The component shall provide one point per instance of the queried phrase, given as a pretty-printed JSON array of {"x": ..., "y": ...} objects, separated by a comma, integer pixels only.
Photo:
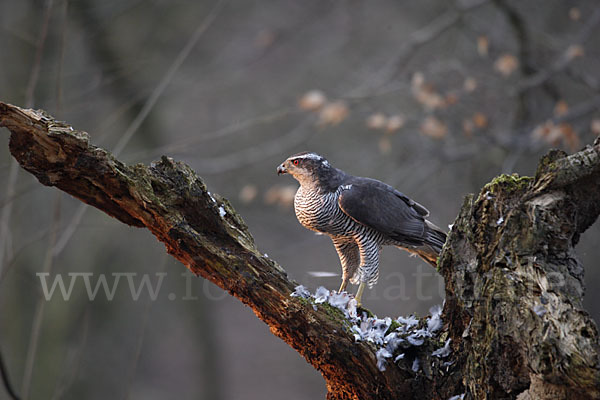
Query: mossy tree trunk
[{"x": 513, "y": 283}]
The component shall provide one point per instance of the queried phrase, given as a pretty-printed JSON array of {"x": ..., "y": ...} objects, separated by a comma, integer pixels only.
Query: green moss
[
  {"x": 369, "y": 313},
  {"x": 547, "y": 162},
  {"x": 335, "y": 315},
  {"x": 395, "y": 325},
  {"x": 508, "y": 182}
]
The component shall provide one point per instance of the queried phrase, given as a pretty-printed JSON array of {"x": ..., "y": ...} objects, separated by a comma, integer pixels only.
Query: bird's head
[{"x": 307, "y": 168}]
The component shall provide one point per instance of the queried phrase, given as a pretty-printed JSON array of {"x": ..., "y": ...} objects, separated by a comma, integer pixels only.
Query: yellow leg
[
  {"x": 343, "y": 285},
  {"x": 359, "y": 293}
]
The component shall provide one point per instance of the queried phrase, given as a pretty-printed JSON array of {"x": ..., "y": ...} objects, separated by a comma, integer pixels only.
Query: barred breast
[
  {"x": 320, "y": 212},
  {"x": 313, "y": 209}
]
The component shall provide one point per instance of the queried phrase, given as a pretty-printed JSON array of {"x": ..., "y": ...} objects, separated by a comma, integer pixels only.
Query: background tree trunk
[{"x": 513, "y": 283}]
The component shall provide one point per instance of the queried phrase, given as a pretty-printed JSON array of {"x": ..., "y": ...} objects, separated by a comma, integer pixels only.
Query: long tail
[{"x": 434, "y": 241}]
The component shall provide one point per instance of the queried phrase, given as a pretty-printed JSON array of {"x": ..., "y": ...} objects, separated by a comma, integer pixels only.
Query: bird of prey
[{"x": 360, "y": 215}]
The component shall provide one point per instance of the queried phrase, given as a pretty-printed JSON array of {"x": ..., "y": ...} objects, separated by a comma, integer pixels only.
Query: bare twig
[
  {"x": 565, "y": 58},
  {"x": 35, "y": 70},
  {"x": 29, "y": 101},
  {"x": 72, "y": 368},
  {"x": 168, "y": 77},
  {"x": 417, "y": 39},
  {"x": 7, "y": 212},
  {"x": 148, "y": 106},
  {"x": 6, "y": 380},
  {"x": 61, "y": 58},
  {"x": 38, "y": 315},
  {"x": 140, "y": 341},
  {"x": 245, "y": 125},
  {"x": 247, "y": 156}
]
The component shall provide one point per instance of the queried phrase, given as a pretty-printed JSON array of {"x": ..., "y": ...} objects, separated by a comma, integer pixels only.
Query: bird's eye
[{"x": 295, "y": 162}]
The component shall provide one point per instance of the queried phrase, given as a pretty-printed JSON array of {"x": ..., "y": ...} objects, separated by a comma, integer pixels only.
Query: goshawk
[{"x": 360, "y": 215}]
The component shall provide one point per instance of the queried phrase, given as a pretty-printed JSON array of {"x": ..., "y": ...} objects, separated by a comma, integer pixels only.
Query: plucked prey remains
[{"x": 360, "y": 215}]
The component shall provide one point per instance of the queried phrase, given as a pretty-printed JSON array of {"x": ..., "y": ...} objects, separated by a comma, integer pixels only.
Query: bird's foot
[{"x": 359, "y": 293}]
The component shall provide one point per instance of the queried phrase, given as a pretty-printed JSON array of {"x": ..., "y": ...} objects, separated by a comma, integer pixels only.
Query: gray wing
[{"x": 381, "y": 207}]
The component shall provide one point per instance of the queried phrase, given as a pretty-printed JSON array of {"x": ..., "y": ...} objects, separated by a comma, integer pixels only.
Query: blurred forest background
[{"x": 433, "y": 97}]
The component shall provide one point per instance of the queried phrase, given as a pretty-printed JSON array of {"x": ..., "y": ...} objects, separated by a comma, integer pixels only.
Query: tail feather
[
  {"x": 434, "y": 236},
  {"x": 427, "y": 254},
  {"x": 434, "y": 241}
]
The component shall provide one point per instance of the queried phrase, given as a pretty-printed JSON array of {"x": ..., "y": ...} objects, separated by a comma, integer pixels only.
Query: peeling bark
[{"x": 513, "y": 283}]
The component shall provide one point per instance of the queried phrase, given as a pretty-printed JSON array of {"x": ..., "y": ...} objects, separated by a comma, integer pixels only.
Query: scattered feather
[
  {"x": 500, "y": 220},
  {"x": 358, "y": 336},
  {"x": 409, "y": 321},
  {"x": 301, "y": 291},
  {"x": 376, "y": 330},
  {"x": 321, "y": 295},
  {"x": 540, "y": 310},
  {"x": 381, "y": 355},
  {"x": 352, "y": 309},
  {"x": 339, "y": 300},
  {"x": 416, "y": 365},
  {"x": 393, "y": 341},
  {"x": 448, "y": 364},
  {"x": 444, "y": 351},
  {"x": 457, "y": 397},
  {"x": 435, "y": 322},
  {"x": 222, "y": 212},
  {"x": 211, "y": 197},
  {"x": 415, "y": 341}
]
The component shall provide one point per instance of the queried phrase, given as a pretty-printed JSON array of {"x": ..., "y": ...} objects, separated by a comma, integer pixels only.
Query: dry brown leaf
[
  {"x": 574, "y": 14},
  {"x": 264, "y": 39},
  {"x": 451, "y": 99},
  {"x": 574, "y": 51},
  {"x": 570, "y": 137},
  {"x": 385, "y": 145},
  {"x": 394, "y": 123},
  {"x": 312, "y": 100},
  {"x": 424, "y": 93},
  {"x": 248, "y": 193},
  {"x": 506, "y": 64},
  {"x": 470, "y": 84},
  {"x": 429, "y": 98},
  {"x": 595, "y": 126},
  {"x": 434, "y": 128},
  {"x": 418, "y": 79},
  {"x": 548, "y": 132},
  {"x": 283, "y": 196},
  {"x": 377, "y": 121},
  {"x": 483, "y": 46},
  {"x": 554, "y": 134},
  {"x": 480, "y": 120},
  {"x": 333, "y": 113},
  {"x": 561, "y": 108}
]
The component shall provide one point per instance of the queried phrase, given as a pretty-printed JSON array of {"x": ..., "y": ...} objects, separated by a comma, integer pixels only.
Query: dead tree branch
[{"x": 513, "y": 284}]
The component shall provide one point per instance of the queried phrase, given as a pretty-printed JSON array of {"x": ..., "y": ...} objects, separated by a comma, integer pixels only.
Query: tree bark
[{"x": 514, "y": 286}]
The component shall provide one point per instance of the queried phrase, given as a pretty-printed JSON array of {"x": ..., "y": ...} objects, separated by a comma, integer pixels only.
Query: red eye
[{"x": 295, "y": 162}]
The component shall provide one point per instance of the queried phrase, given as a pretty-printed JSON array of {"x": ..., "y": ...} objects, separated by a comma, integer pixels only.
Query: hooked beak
[{"x": 281, "y": 170}]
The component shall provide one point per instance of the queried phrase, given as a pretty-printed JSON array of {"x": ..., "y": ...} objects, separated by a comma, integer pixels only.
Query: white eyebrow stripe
[{"x": 310, "y": 156}]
